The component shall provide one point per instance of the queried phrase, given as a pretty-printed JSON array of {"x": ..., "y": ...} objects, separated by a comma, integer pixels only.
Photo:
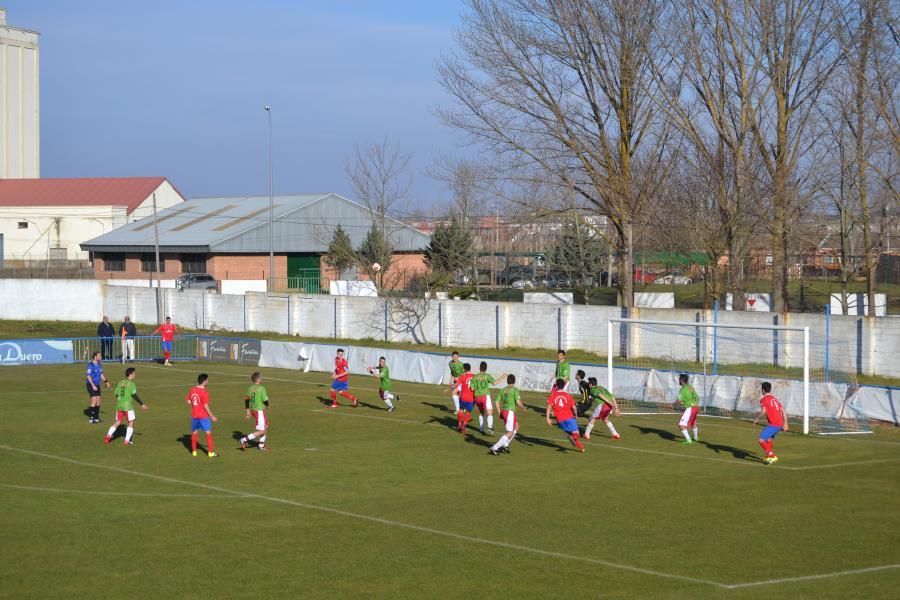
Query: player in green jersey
[
  {"x": 509, "y": 402},
  {"x": 256, "y": 403},
  {"x": 606, "y": 404},
  {"x": 126, "y": 396},
  {"x": 562, "y": 371},
  {"x": 481, "y": 390},
  {"x": 690, "y": 404},
  {"x": 383, "y": 373},
  {"x": 456, "y": 369}
]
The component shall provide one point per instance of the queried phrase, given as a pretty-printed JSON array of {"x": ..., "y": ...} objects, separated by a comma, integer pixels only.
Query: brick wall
[{"x": 245, "y": 266}]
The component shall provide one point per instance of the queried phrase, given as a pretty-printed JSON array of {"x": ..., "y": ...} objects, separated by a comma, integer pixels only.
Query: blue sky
[{"x": 177, "y": 88}]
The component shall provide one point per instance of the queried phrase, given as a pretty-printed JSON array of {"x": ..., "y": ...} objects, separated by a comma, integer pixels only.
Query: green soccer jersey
[
  {"x": 509, "y": 398},
  {"x": 562, "y": 370},
  {"x": 456, "y": 368},
  {"x": 481, "y": 384},
  {"x": 688, "y": 396},
  {"x": 598, "y": 392},
  {"x": 385, "y": 375},
  {"x": 125, "y": 390},
  {"x": 258, "y": 397}
]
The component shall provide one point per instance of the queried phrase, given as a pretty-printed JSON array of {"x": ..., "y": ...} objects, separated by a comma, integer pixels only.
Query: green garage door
[{"x": 304, "y": 273}]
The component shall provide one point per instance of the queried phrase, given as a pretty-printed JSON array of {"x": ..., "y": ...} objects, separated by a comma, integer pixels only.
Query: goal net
[{"x": 727, "y": 364}]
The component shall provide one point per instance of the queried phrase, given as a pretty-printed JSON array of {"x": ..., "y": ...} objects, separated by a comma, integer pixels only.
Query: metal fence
[{"x": 184, "y": 348}]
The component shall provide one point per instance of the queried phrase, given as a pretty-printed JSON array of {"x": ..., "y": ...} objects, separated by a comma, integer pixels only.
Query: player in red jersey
[
  {"x": 166, "y": 333},
  {"x": 778, "y": 422},
  {"x": 340, "y": 380},
  {"x": 561, "y": 405},
  {"x": 198, "y": 400},
  {"x": 466, "y": 398}
]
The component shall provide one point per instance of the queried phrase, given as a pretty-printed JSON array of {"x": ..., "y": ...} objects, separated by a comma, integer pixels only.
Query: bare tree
[
  {"x": 563, "y": 90},
  {"x": 378, "y": 172}
]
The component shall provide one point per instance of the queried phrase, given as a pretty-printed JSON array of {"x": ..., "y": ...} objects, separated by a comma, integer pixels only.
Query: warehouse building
[{"x": 228, "y": 238}]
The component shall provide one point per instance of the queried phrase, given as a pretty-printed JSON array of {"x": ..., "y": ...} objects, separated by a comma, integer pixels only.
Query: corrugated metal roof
[
  {"x": 240, "y": 225},
  {"x": 129, "y": 192}
]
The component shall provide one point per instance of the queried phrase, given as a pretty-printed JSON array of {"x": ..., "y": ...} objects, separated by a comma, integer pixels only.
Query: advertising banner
[
  {"x": 35, "y": 352},
  {"x": 240, "y": 351}
]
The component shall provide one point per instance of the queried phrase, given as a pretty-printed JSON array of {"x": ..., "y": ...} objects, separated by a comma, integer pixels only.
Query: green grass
[{"x": 364, "y": 503}]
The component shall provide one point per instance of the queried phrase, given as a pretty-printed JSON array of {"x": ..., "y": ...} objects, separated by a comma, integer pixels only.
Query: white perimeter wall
[{"x": 863, "y": 345}]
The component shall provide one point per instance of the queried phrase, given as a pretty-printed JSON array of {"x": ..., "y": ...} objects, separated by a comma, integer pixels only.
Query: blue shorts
[
  {"x": 204, "y": 424},
  {"x": 340, "y": 386},
  {"x": 770, "y": 432},
  {"x": 569, "y": 426},
  {"x": 469, "y": 406},
  {"x": 166, "y": 346}
]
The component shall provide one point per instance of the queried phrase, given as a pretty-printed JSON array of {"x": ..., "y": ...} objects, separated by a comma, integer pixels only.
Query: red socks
[
  {"x": 209, "y": 443},
  {"x": 333, "y": 397},
  {"x": 348, "y": 396},
  {"x": 767, "y": 446},
  {"x": 167, "y": 354},
  {"x": 194, "y": 442}
]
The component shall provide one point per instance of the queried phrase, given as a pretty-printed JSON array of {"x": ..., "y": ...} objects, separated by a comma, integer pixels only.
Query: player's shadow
[
  {"x": 236, "y": 436},
  {"x": 360, "y": 403},
  {"x": 663, "y": 433},
  {"x": 441, "y": 407},
  {"x": 478, "y": 440},
  {"x": 186, "y": 442},
  {"x": 738, "y": 453},
  {"x": 536, "y": 441},
  {"x": 449, "y": 422},
  {"x": 324, "y": 400}
]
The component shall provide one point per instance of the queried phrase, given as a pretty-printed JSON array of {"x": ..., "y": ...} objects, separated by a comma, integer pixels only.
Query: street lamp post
[{"x": 271, "y": 207}]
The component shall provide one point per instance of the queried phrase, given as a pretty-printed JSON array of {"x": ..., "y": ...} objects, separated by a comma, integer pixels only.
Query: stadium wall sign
[{"x": 35, "y": 352}]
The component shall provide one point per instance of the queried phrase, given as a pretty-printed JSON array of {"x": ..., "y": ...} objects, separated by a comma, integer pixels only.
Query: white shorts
[
  {"x": 261, "y": 421},
  {"x": 484, "y": 403},
  {"x": 689, "y": 417},
  {"x": 124, "y": 416},
  {"x": 510, "y": 421}
]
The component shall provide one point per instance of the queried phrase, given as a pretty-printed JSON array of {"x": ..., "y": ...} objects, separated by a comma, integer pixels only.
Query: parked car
[
  {"x": 672, "y": 279},
  {"x": 521, "y": 283},
  {"x": 196, "y": 281},
  {"x": 644, "y": 277}
]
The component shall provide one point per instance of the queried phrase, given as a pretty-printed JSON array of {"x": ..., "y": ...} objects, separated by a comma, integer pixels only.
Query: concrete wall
[{"x": 857, "y": 344}]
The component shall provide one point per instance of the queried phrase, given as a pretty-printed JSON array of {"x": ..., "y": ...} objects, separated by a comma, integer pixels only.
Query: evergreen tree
[
  {"x": 376, "y": 248},
  {"x": 450, "y": 251},
  {"x": 341, "y": 255},
  {"x": 578, "y": 251}
]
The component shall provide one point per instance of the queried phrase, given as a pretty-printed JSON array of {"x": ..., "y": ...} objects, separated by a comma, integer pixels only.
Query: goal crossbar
[{"x": 626, "y": 321}]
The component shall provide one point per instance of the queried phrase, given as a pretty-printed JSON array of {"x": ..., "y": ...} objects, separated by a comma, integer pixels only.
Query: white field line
[
  {"x": 737, "y": 586},
  {"x": 458, "y": 536},
  {"x": 373, "y": 519},
  {"x": 615, "y": 446},
  {"x": 29, "y": 488}
]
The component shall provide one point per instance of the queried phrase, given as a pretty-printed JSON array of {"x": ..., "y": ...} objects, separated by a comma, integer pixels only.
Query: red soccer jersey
[
  {"x": 773, "y": 410},
  {"x": 562, "y": 404},
  {"x": 198, "y": 399},
  {"x": 167, "y": 331},
  {"x": 466, "y": 394},
  {"x": 341, "y": 366}
]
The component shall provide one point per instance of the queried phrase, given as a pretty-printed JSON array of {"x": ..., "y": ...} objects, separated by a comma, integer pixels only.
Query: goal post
[{"x": 726, "y": 363}]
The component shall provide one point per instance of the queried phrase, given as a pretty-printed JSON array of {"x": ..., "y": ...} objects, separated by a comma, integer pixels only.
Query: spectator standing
[
  {"x": 128, "y": 332},
  {"x": 106, "y": 332}
]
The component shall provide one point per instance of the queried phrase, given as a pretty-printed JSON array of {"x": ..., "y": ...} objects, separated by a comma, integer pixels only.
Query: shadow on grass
[
  {"x": 186, "y": 442},
  {"x": 324, "y": 400},
  {"x": 441, "y": 407},
  {"x": 478, "y": 440},
  {"x": 663, "y": 433},
  {"x": 738, "y": 453},
  {"x": 449, "y": 422},
  {"x": 534, "y": 441}
]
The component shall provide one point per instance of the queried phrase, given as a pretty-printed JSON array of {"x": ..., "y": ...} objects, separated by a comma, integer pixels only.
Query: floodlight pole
[
  {"x": 271, "y": 207},
  {"x": 156, "y": 249}
]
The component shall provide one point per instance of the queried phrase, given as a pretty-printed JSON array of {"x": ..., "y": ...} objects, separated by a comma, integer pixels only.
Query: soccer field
[{"x": 359, "y": 502}]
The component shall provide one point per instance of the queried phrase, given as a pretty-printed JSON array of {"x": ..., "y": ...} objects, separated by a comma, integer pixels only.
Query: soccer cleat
[
  {"x": 107, "y": 440},
  {"x": 333, "y": 405},
  {"x": 243, "y": 443},
  {"x": 127, "y": 443},
  {"x": 390, "y": 409},
  {"x": 397, "y": 398},
  {"x": 494, "y": 452},
  {"x": 586, "y": 436},
  {"x": 355, "y": 403},
  {"x": 686, "y": 442},
  {"x": 211, "y": 454},
  {"x": 194, "y": 453},
  {"x": 616, "y": 436},
  {"x": 490, "y": 431},
  {"x": 773, "y": 459},
  {"x": 455, "y": 412},
  {"x": 263, "y": 448}
]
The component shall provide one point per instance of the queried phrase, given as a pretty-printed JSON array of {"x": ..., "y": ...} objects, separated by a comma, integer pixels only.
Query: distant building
[
  {"x": 48, "y": 219},
  {"x": 229, "y": 239},
  {"x": 20, "y": 151}
]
